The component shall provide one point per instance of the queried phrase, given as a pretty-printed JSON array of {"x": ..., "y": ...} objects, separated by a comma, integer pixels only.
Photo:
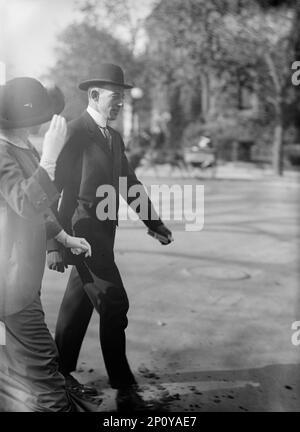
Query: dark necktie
[{"x": 107, "y": 136}]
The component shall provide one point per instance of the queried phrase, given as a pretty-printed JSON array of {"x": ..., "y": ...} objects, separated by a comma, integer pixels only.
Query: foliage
[
  {"x": 194, "y": 60},
  {"x": 82, "y": 46},
  {"x": 211, "y": 50}
]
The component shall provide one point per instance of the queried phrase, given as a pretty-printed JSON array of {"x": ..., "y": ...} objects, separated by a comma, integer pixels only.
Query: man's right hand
[
  {"x": 55, "y": 261},
  {"x": 54, "y": 139},
  {"x": 162, "y": 234}
]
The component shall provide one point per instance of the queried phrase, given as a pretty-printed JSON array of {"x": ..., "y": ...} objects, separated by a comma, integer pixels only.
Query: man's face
[{"x": 111, "y": 99}]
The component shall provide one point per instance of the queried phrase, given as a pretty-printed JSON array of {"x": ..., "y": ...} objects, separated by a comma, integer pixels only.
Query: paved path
[{"x": 211, "y": 314}]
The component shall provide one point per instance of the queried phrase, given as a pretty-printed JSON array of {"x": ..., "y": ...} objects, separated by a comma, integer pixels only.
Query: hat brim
[
  {"x": 6, "y": 124},
  {"x": 85, "y": 85},
  {"x": 56, "y": 107}
]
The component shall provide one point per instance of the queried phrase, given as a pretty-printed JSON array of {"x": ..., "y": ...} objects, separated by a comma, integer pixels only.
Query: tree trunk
[
  {"x": 205, "y": 95},
  {"x": 278, "y": 148},
  {"x": 278, "y": 131}
]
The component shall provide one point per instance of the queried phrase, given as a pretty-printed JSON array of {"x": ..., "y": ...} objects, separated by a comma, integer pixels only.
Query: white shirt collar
[{"x": 97, "y": 117}]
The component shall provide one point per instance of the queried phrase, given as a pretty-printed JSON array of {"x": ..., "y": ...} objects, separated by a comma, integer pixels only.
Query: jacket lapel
[
  {"x": 95, "y": 133},
  {"x": 114, "y": 155}
]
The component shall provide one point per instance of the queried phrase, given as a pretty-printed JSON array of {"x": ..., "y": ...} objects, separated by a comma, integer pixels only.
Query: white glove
[
  {"x": 54, "y": 142},
  {"x": 77, "y": 245}
]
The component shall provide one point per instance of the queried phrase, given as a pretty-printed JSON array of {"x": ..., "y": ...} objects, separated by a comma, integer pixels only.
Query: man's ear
[{"x": 95, "y": 95}]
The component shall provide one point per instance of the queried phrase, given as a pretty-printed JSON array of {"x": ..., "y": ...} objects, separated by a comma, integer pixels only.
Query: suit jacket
[
  {"x": 86, "y": 163},
  {"x": 26, "y": 193}
]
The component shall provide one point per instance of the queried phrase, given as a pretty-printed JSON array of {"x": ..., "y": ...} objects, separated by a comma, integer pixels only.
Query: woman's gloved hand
[
  {"x": 78, "y": 245},
  {"x": 53, "y": 144}
]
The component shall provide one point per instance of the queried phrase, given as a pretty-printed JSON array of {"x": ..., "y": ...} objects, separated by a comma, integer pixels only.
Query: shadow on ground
[{"x": 270, "y": 388}]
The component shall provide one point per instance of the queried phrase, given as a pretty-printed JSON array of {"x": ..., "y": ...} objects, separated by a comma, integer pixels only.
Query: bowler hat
[
  {"x": 108, "y": 74},
  {"x": 25, "y": 102}
]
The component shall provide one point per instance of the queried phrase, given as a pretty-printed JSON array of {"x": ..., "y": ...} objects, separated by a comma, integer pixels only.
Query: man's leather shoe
[
  {"x": 128, "y": 400},
  {"x": 81, "y": 389}
]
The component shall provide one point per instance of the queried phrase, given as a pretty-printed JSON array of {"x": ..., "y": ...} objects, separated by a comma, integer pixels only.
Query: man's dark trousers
[{"x": 86, "y": 291}]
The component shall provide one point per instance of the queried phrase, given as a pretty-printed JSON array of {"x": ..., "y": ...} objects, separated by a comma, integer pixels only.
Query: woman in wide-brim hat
[{"x": 29, "y": 377}]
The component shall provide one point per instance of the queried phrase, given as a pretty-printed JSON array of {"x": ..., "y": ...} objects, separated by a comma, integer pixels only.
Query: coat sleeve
[
  {"x": 65, "y": 177},
  {"x": 153, "y": 219},
  {"x": 29, "y": 198},
  {"x": 53, "y": 227}
]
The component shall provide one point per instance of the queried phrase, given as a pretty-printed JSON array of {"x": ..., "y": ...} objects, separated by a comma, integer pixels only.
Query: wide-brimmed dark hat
[
  {"x": 108, "y": 74},
  {"x": 25, "y": 102}
]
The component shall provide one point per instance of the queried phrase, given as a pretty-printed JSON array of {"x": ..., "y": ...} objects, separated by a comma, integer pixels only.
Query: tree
[
  {"x": 267, "y": 40},
  {"x": 121, "y": 18},
  {"x": 124, "y": 21},
  {"x": 189, "y": 59},
  {"x": 81, "y": 48},
  {"x": 218, "y": 47}
]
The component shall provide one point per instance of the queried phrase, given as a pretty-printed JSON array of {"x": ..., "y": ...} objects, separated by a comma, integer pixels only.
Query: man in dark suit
[{"x": 94, "y": 156}]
